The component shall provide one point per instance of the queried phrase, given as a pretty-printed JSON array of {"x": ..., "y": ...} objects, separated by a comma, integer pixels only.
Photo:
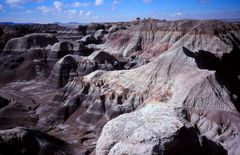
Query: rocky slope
[
  {"x": 141, "y": 87},
  {"x": 8, "y": 32}
]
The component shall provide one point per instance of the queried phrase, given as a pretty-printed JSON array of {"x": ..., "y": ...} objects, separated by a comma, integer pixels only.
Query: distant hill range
[
  {"x": 12, "y": 23},
  {"x": 70, "y": 24},
  {"x": 231, "y": 20},
  {"x": 73, "y": 24}
]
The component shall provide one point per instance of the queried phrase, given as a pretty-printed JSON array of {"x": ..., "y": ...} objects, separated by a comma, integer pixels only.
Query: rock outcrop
[
  {"x": 29, "y": 142},
  {"x": 99, "y": 35},
  {"x": 18, "y": 66},
  {"x": 8, "y": 31},
  {"x": 71, "y": 66},
  {"x": 69, "y": 35},
  {"x": 93, "y": 27},
  {"x": 59, "y": 50},
  {"x": 151, "y": 38},
  {"x": 154, "y": 129},
  {"x": 142, "y": 87},
  {"x": 28, "y": 42},
  {"x": 18, "y": 141},
  {"x": 88, "y": 39}
]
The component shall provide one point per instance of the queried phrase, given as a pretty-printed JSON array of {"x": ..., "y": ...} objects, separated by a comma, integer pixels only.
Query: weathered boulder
[{"x": 154, "y": 129}]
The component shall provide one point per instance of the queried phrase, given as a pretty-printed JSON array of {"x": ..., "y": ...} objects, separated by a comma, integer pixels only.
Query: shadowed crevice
[
  {"x": 3, "y": 102},
  {"x": 227, "y": 69}
]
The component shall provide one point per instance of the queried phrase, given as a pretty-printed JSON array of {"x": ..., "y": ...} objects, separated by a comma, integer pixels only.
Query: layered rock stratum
[{"x": 140, "y": 87}]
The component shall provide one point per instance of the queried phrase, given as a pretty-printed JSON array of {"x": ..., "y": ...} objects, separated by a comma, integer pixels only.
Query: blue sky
[{"x": 83, "y": 11}]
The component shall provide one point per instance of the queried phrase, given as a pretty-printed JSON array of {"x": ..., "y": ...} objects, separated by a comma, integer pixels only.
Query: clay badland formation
[{"x": 141, "y": 87}]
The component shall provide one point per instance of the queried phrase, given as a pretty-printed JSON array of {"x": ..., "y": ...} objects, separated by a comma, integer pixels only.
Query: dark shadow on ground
[{"x": 227, "y": 69}]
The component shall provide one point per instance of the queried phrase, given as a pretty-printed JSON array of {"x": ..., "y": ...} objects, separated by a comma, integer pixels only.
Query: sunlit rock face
[
  {"x": 154, "y": 129},
  {"x": 141, "y": 87}
]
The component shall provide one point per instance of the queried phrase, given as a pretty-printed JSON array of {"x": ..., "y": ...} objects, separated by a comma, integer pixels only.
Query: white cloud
[
  {"x": 79, "y": 4},
  {"x": 44, "y": 9},
  {"x": 99, "y": 2},
  {"x": 178, "y": 13},
  {"x": 147, "y": 1},
  {"x": 115, "y": 3},
  {"x": 89, "y": 13},
  {"x": 76, "y": 4},
  {"x": 81, "y": 13},
  {"x": 15, "y": 2},
  {"x": 28, "y": 11},
  {"x": 71, "y": 12},
  {"x": 20, "y": 2},
  {"x": 1, "y": 7},
  {"x": 58, "y": 5}
]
